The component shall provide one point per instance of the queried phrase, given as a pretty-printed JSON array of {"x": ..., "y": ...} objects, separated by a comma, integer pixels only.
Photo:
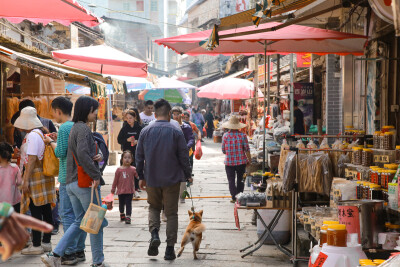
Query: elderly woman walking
[
  {"x": 38, "y": 190},
  {"x": 236, "y": 148}
]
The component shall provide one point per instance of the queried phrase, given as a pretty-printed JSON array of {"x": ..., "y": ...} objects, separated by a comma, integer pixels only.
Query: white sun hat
[{"x": 28, "y": 119}]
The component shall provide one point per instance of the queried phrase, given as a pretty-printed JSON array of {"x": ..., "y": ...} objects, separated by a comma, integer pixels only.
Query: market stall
[{"x": 304, "y": 169}]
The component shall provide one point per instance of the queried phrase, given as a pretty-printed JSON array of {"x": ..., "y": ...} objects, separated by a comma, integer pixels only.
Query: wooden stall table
[{"x": 267, "y": 229}]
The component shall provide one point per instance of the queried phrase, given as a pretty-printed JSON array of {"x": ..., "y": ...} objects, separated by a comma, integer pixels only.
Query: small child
[
  {"x": 125, "y": 183},
  {"x": 10, "y": 177}
]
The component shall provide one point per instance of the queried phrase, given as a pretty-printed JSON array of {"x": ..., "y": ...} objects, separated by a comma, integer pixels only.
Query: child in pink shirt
[
  {"x": 125, "y": 184},
  {"x": 10, "y": 177}
]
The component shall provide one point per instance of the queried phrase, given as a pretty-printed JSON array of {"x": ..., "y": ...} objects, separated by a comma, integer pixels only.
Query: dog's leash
[{"x": 189, "y": 195}]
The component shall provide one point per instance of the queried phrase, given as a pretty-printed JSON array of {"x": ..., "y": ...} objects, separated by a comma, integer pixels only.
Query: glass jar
[
  {"x": 376, "y": 192},
  {"x": 381, "y": 141},
  {"x": 357, "y": 156},
  {"x": 381, "y": 176},
  {"x": 323, "y": 236},
  {"x": 367, "y": 157},
  {"x": 337, "y": 235},
  {"x": 388, "y": 142},
  {"x": 373, "y": 174},
  {"x": 359, "y": 190},
  {"x": 376, "y": 139},
  {"x": 365, "y": 187},
  {"x": 398, "y": 154}
]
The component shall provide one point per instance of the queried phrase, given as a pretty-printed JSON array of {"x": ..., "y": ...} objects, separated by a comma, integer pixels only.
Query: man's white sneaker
[
  {"x": 31, "y": 250},
  {"x": 50, "y": 261},
  {"x": 46, "y": 247}
]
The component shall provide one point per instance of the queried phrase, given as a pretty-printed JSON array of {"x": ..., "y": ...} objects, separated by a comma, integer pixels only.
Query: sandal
[{"x": 122, "y": 216}]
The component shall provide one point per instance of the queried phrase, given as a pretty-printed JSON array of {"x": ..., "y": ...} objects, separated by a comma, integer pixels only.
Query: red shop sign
[{"x": 349, "y": 215}]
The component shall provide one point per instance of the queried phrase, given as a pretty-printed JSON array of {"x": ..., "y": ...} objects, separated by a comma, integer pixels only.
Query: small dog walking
[{"x": 194, "y": 233}]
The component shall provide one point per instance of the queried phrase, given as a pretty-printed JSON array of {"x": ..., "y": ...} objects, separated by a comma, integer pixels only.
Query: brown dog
[{"x": 194, "y": 233}]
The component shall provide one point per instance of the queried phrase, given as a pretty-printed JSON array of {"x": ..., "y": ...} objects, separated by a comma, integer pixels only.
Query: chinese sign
[
  {"x": 319, "y": 262},
  {"x": 261, "y": 71},
  {"x": 303, "y": 60},
  {"x": 304, "y": 94},
  {"x": 349, "y": 216}
]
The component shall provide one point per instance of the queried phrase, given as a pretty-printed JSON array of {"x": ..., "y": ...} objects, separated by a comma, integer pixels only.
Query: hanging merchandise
[
  {"x": 101, "y": 115},
  {"x": 324, "y": 144},
  {"x": 315, "y": 173},
  {"x": 311, "y": 145},
  {"x": 282, "y": 158}
]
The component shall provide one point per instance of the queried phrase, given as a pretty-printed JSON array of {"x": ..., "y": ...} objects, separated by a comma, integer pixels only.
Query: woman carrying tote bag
[{"x": 82, "y": 155}]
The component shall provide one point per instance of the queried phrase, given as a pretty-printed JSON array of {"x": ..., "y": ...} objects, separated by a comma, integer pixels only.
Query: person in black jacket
[{"x": 128, "y": 138}]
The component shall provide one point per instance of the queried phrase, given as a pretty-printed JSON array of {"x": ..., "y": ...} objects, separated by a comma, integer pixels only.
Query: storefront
[{"x": 27, "y": 77}]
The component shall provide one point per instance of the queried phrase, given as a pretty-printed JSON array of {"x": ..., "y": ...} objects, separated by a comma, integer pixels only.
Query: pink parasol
[
  {"x": 45, "y": 11},
  {"x": 291, "y": 39},
  {"x": 228, "y": 88},
  {"x": 102, "y": 59}
]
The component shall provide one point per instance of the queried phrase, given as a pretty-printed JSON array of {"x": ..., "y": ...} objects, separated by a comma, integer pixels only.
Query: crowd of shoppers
[{"x": 165, "y": 138}]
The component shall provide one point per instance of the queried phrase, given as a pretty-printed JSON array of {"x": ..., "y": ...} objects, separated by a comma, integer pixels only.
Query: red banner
[
  {"x": 349, "y": 215},
  {"x": 303, "y": 60},
  {"x": 261, "y": 72},
  {"x": 319, "y": 262}
]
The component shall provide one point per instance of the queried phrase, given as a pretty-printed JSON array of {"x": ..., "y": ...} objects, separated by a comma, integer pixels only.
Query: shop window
[{"x": 139, "y": 5}]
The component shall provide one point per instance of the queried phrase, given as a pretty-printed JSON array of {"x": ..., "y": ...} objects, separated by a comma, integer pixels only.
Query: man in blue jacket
[{"x": 162, "y": 162}]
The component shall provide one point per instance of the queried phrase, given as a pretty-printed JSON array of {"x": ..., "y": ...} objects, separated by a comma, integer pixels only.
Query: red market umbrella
[
  {"x": 102, "y": 59},
  {"x": 228, "y": 88},
  {"x": 45, "y": 11},
  {"x": 290, "y": 39}
]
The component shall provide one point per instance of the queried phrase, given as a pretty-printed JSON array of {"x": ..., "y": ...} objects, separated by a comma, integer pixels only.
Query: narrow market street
[{"x": 126, "y": 245}]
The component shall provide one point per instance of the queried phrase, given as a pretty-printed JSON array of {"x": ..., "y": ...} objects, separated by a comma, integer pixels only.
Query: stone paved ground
[{"x": 126, "y": 245}]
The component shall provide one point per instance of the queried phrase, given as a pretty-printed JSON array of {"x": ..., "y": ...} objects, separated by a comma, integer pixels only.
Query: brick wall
[{"x": 333, "y": 96}]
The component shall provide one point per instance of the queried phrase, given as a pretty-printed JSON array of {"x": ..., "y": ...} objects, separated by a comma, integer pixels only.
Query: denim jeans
[
  {"x": 80, "y": 200},
  {"x": 68, "y": 218}
]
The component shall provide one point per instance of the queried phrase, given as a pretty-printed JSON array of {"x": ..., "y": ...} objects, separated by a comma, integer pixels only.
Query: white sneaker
[
  {"x": 163, "y": 217},
  {"x": 46, "y": 247},
  {"x": 136, "y": 194},
  {"x": 50, "y": 261},
  {"x": 31, "y": 250}
]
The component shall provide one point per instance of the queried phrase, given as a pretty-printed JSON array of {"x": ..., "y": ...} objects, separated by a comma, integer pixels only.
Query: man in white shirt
[{"x": 147, "y": 115}]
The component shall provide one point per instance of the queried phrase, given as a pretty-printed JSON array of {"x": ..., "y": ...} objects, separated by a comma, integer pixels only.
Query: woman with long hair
[
  {"x": 83, "y": 152},
  {"x": 128, "y": 138}
]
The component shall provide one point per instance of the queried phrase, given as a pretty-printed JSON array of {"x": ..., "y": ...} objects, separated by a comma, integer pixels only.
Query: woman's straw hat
[
  {"x": 28, "y": 119},
  {"x": 233, "y": 123}
]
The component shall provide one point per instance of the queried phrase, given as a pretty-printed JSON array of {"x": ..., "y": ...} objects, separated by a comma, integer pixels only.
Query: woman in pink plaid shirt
[{"x": 235, "y": 146}]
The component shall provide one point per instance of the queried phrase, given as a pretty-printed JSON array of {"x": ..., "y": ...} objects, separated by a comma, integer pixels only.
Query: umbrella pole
[
  {"x": 291, "y": 96},
  {"x": 265, "y": 85}
]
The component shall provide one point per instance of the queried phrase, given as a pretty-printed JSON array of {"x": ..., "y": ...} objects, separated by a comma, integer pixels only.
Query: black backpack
[{"x": 101, "y": 144}]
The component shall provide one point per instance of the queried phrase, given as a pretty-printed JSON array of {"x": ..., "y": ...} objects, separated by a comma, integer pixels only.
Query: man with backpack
[{"x": 62, "y": 107}]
